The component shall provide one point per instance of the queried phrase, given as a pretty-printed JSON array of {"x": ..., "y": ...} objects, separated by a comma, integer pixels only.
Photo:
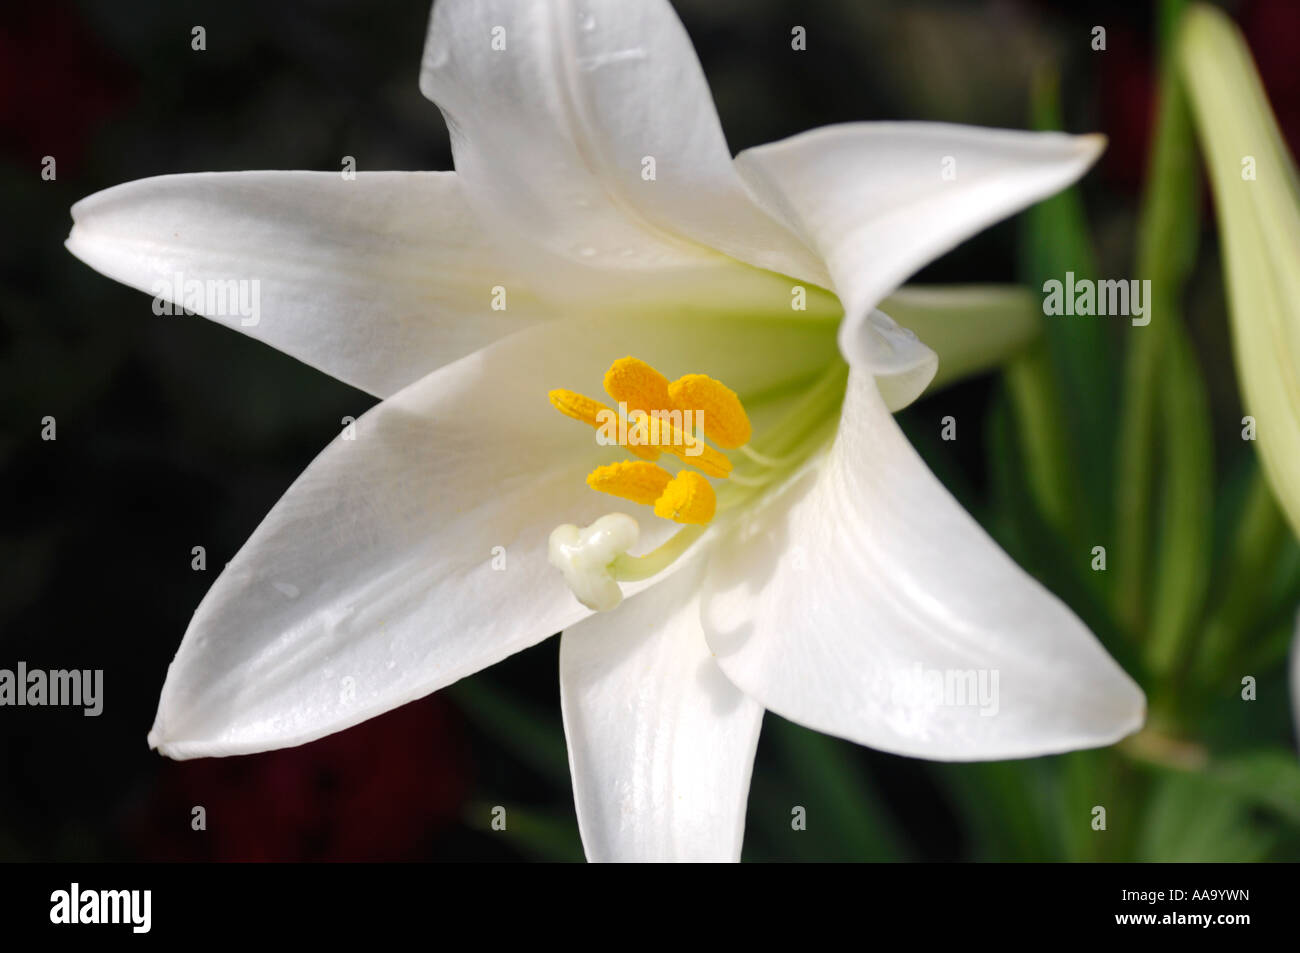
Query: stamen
[
  {"x": 687, "y": 499},
  {"x": 594, "y": 559},
  {"x": 594, "y": 414},
  {"x": 637, "y": 384},
  {"x": 635, "y": 480},
  {"x": 725, "y": 420},
  {"x": 763, "y": 459},
  {"x": 696, "y": 452},
  {"x": 578, "y": 406}
]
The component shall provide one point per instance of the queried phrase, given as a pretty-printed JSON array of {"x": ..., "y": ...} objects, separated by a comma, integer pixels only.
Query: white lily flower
[{"x": 830, "y": 569}]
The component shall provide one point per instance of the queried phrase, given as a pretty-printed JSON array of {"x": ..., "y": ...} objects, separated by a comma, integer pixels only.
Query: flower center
[
  {"x": 654, "y": 417},
  {"x": 657, "y": 416}
]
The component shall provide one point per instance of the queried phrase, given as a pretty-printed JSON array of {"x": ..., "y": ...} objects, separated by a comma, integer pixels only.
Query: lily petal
[
  {"x": 661, "y": 744},
  {"x": 840, "y": 604},
  {"x": 971, "y": 328},
  {"x": 416, "y": 553},
  {"x": 876, "y": 202},
  {"x": 626, "y": 168},
  {"x": 376, "y": 281}
]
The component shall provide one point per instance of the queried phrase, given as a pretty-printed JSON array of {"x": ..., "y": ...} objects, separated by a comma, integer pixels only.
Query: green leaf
[
  {"x": 846, "y": 820},
  {"x": 1190, "y": 819},
  {"x": 1255, "y": 547},
  {"x": 536, "y": 738},
  {"x": 1258, "y": 200},
  {"x": 1011, "y": 808},
  {"x": 1266, "y": 779},
  {"x": 541, "y": 835},
  {"x": 1164, "y": 407},
  {"x": 1072, "y": 383}
]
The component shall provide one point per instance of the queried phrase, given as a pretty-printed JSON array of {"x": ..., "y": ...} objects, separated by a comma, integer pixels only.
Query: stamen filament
[
  {"x": 763, "y": 459},
  {"x": 732, "y": 496}
]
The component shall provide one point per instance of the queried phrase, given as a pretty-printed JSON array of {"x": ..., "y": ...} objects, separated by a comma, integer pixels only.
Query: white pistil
[{"x": 585, "y": 556}]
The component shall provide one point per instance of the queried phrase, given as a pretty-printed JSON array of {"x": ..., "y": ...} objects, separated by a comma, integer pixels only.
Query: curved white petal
[
  {"x": 661, "y": 744},
  {"x": 902, "y": 364},
  {"x": 879, "y": 200},
  {"x": 972, "y": 328},
  {"x": 587, "y": 131},
  {"x": 842, "y": 602},
  {"x": 376, "y": 280},
  {"x": 416, "y": 553}
]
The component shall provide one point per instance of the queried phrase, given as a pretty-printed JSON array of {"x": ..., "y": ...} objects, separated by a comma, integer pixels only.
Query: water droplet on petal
[
  {"x": 586, "y": 22},
  {"x": 286, "y": 589}
]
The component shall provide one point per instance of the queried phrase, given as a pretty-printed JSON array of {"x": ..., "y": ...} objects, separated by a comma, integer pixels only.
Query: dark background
[{"x": 174, "y": 432}]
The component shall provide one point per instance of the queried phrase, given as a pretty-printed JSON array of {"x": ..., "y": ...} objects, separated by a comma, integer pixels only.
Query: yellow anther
[
  {"x": 725, "y": 420},
  {"x": 688, "y": 498},
  {"x": 634, "y": 480},
  {"x": 578, "y": 406},
  {"x": 594, "y": 414},
  {"x": 637, "y": 384}
]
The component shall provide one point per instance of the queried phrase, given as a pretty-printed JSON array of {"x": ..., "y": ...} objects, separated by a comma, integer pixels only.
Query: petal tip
[
  {"x": 1093, "y": 143},
  {"x": 159, "y": 744}
]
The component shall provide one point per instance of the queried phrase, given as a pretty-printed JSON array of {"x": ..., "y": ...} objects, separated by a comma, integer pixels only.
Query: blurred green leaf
[
  {"x": 846, "y": 819},
  {"x": 543, "y": 836},
  {"x": 1254, "y": 549},
  {"x": 1065, "y": 395},
  {"x": 1266, "y": 779},
  {"x": 1190, "y": 819},
  {"x": 1258, "y": 200},
  {"x": 534, "y": 737},
  {"x": 1186, "y": 525},
  {"x": 1090, "y": 779},
  {"x": 1164, "y": 406},
  {"x": 1041, "y": 432},
  {"x": 1022, "y": 531},
  {"x": 1011, "y": 808}
]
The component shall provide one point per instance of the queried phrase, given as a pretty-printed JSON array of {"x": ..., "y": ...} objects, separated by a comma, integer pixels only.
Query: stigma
[{"x": 586, "y": 556}]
